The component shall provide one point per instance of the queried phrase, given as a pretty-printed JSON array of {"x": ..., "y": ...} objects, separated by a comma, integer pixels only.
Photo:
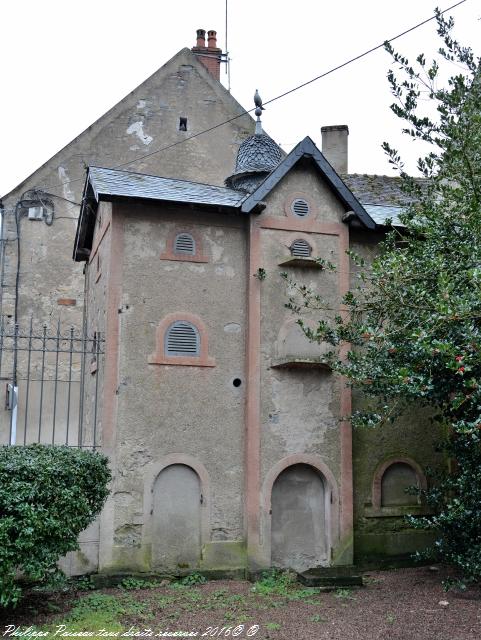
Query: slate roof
[
  {"x": 379, "y": 190},
  {"x": 381, "y": 196},
  {"x": 115, "y": 183},
  {"x": 381, "y": 213},
  {"x": 258, "y": 153},
  {"x": 373, "y": 198}
]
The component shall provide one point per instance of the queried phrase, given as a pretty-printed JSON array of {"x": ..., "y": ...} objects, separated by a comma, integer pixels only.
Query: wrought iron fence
[{"x": 52, "y": 379}]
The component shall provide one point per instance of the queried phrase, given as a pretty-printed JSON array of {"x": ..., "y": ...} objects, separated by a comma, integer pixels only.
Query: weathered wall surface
[
  {"x": 300, "y": 407},
  {"x": 97, "y": 281},
  {"x": 180, "y": 415},
  {"x": 382, "y": 532},
  {"x": 147, "y": 119}
]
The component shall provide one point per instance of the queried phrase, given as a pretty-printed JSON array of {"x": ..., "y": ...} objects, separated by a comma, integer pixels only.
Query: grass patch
[{"x": 274, "y": 582}]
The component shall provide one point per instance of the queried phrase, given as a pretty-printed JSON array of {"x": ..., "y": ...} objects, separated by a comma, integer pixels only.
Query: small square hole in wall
[{"x": 182, "y": 124}]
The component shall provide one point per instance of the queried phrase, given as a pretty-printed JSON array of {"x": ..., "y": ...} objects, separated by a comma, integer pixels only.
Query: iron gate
[{"x": 52, "y": 378}]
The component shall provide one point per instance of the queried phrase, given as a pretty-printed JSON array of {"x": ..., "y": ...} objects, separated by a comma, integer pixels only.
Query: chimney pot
[
  {"x": 334, "y": 146},
  {"x": 209, "y": 56},
  {"x": 212, "y": 39},
  {"x": 200, "y": 38}
]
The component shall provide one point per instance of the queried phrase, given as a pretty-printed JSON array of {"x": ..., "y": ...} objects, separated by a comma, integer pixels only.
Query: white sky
[{"x": 65, "y": 63}]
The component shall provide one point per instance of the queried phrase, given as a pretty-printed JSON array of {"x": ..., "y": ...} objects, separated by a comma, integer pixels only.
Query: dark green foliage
[
  {"x": 48, "y": 495},
  {"x": 415, "y": 319}
]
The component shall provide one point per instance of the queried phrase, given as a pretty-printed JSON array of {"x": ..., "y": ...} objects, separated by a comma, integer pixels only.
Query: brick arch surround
[
  {"x": 382, "y": 468},
  {"x": 169, "y": 253},
  {"x": 159, "y": 356},
  {"x": 153, "y": 470},
  {"x": 332, "y": 498}
]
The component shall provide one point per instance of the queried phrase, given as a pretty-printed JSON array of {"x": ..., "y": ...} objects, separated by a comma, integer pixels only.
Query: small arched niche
[
  {"x": 295, "y": 350},
  {"x": 396, "y": 479},
  {"x": 389, "y": 495}
]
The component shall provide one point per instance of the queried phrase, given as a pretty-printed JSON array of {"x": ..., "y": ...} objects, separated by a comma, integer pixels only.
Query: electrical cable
[{"x": 271, "y": 100}]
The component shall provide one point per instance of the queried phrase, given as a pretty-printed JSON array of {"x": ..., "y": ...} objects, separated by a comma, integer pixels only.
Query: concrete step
[{"x": 331, "y": 577}]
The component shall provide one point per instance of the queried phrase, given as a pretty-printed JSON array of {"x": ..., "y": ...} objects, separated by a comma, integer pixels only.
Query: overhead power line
[{"x": 282, "y": 95}]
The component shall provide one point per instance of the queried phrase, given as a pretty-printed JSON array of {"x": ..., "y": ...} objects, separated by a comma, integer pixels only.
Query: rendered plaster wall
[
  {"x": 145, "y": 120},
  {"x": 97, "y": 276},
  {"x": 185, "y": 414},
  {"x": 412, "y": 436},
  {"x": 299, "y": 407}
]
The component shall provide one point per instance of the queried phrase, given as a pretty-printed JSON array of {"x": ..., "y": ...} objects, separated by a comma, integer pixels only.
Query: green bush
[{"x": 48, "y": 495}]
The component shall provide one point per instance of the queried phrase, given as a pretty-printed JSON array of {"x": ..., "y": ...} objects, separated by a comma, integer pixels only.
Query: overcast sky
[{"x": 65, "y": 63}]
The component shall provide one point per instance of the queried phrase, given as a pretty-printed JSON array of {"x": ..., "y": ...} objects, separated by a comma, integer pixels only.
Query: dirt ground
[{"x": 401, "y": 604}]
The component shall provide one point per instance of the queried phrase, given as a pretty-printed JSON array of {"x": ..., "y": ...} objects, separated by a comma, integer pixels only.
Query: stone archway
[
  {"x": 299, "y": 518},
  {"x": 176, "y": 518}
]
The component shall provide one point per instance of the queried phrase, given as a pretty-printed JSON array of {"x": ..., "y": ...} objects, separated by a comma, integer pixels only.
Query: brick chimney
[
  {"x": 209, "y": 55},
  {"x": 334, "y": 146}
]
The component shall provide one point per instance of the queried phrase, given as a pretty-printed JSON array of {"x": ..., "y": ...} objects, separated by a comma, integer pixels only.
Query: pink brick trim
[
  {"x": 169, "y": 253},
  {"x": 331, "y": 498},
  {"x": 308, "y": 225},
  {"x": 378, "y": 474},
  {"x": 159, "y": 357}
]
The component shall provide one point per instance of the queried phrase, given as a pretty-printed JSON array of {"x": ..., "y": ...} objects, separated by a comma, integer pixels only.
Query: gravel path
[{"x": 404, "y": 604}]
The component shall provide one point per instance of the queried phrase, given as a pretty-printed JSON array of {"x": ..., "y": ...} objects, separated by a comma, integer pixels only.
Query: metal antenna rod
[{"x": 227, "y": 70}]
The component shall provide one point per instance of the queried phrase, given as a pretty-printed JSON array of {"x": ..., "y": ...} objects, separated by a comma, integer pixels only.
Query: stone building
[
  {"x": 39, "y": 281},
  {"x": 223, "y": 425},
  {"x": 225, "y": 428}
]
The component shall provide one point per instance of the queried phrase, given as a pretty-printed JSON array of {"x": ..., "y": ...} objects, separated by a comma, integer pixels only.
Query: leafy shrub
[
  {"x": 134, "y": 584},
  {"x": 48, "y": 495},
  {"x": 275, "y": 582},
  {"x": 190, "y": 580}
]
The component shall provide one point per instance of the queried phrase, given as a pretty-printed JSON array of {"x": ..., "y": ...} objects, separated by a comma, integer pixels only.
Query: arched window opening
[
  {"x": 301, "y": 249},
  {"x": 182, "y": 339},
  {"x": 395, "y": 480},
  {"x": 184, "y": 244}
]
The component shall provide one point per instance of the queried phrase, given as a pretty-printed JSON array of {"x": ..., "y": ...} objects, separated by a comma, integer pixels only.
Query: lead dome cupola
[{"x": 258, "y": 155}]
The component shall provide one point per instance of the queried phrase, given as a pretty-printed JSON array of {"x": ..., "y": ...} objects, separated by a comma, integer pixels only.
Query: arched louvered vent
[
  {"x": 300, "y": 208},
  {"x": 182, "y": 339},
  {"x": 301, "y": 249},
  {"x": 184, "y": 244}
]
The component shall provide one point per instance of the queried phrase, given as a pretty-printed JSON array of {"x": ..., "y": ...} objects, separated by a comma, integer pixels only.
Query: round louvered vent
[
  {"x": 301, "y": 249},
  {"x": 185, "y": 244},
  {"x": 182, "y": 339},
  {"x": 300, "y": 208}
]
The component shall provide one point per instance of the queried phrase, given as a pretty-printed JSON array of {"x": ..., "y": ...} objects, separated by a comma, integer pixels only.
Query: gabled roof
[
  {"x": 111, "y": 184},
  {"x": 307, "y": 149},
  {"x": 83, "y": 150}
]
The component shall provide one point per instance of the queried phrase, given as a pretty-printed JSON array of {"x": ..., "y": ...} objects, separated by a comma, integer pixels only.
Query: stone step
[{"x": 331, "y": 577}]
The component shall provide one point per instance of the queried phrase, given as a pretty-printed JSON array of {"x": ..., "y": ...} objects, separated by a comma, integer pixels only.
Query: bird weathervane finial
[{"x": 258, "y": 111}]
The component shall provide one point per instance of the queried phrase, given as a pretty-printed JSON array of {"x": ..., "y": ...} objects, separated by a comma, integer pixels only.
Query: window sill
[
  {"x": 304, "y": 263},
  {"x": 181, "y": 361},
  {"x": 294, "y": 362},
  {"x": 182, "y": 258}
]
